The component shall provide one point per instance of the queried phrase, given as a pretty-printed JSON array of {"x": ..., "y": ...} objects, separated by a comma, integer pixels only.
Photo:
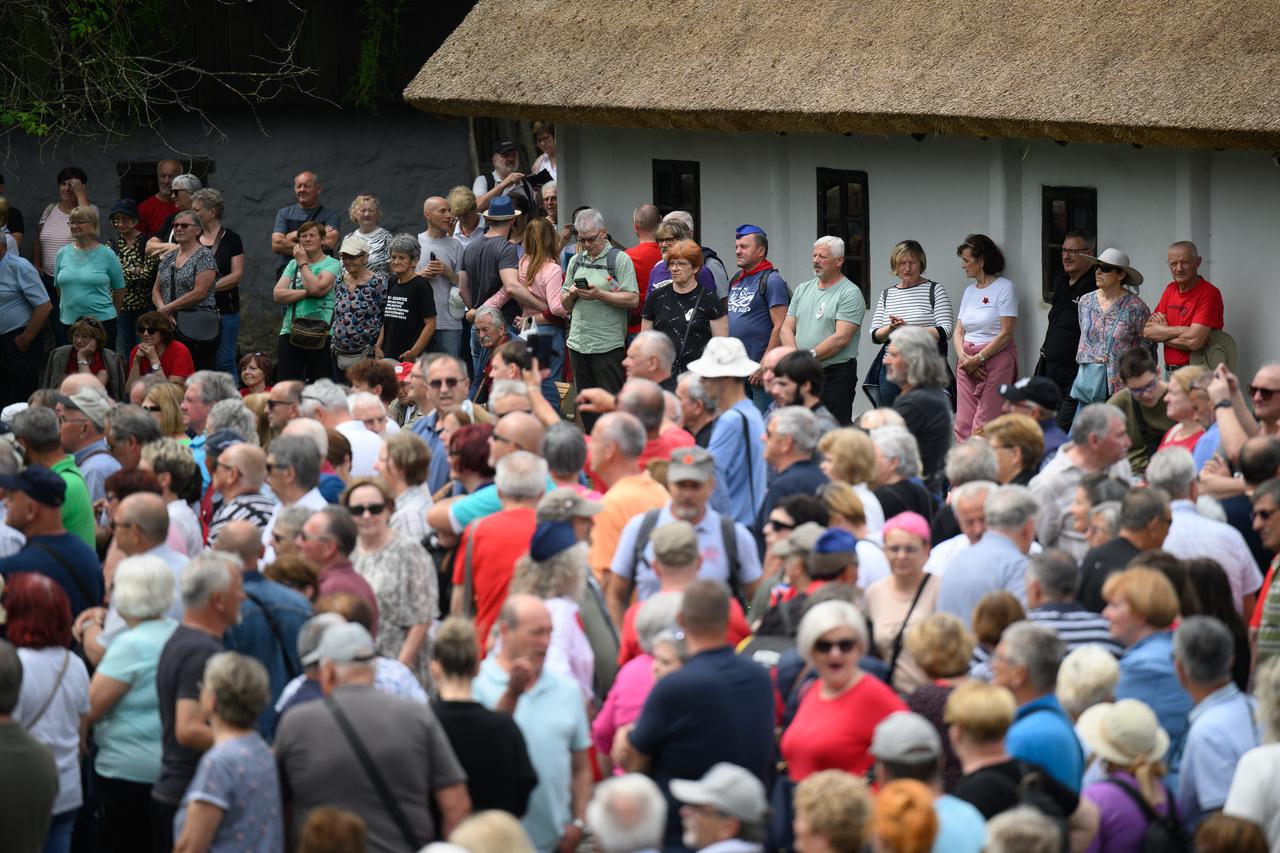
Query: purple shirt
[
  {"x": 661, "y": 275},
  {"x": 342, "y": 577},
  {"x": 1121, "y": 822}
]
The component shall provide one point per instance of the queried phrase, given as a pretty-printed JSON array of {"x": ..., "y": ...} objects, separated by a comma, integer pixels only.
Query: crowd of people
[{"x": 524, "y": 540}]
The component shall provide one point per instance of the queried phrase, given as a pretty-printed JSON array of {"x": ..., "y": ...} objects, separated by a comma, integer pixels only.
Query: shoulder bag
[
  {"x": 896, "y": 648},
  {"x": 194, "y": 325},
  {"x": 309, "y": 333},
  {"x": 371, "y": 770},
  {"x": 66, "y": 659}
]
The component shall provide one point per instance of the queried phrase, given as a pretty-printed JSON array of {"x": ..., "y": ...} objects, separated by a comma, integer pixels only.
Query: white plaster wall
[{"x": 938, "y": 190}]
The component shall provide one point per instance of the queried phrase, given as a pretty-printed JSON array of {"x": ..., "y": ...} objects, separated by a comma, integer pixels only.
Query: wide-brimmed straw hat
[
  {"x": 1125, "y": 732},
  {"x": 1116, "y": 258}
]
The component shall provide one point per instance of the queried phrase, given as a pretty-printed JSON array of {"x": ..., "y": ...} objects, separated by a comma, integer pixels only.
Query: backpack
[
  {"x": 1163, "y": 834},
  {"x": 1031, "y": 792},
  {"x": 728, "y": 534},
  {"x": 610, "y": 264}
]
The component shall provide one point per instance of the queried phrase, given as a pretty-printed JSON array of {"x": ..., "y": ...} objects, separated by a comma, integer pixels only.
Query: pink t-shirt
[{"x": 547, "y": 284}]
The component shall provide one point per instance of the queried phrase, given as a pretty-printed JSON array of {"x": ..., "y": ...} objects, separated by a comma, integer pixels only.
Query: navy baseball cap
[
  {"x": 743, "y": 230},
  {"x": 550, "y": 538},
  {"x": 1040, "y": 390},
  {"x": 37, "y": 482}
]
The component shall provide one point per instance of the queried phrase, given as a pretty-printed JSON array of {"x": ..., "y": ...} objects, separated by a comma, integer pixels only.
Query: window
[
  {"x": 677, "y": 186},
  {"x": 1064, "y": 209},
  {"x": 138, "y": 177},
  {"x": 842, "y": 212}
]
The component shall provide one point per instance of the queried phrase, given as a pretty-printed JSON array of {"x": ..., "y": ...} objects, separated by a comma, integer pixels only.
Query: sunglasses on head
[
  {"x": 366, "y": 509},
  {"x": 825, "y": 646}
]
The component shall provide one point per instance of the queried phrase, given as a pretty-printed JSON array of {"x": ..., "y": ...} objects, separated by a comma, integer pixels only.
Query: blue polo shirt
[
  {"x": 717, "y": 707},
  {"x": 438, "y": 468},
  {"x": 1042, "y": 732},
  {"x": 1223, "y": 727}
]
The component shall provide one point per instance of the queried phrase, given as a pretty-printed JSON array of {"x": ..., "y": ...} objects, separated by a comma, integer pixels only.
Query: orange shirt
[{"x": 629, "y": 497}]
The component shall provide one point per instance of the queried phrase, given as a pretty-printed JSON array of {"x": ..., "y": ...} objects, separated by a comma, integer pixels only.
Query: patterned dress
[
  {"x": 1107, "y": 335},
  {"x": 403, "y": 577},
  {"x": 357, "y": 317},
  {"x": 139, "y": 274}
]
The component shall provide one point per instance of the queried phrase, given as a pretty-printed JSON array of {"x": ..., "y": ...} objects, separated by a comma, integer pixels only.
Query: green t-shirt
[
  {"x": 77, "y": 509},
  {"x": 595, "y": 327},
  {"x": 319, "y": 309},
  {"x": 816, "y": 311},
  {"x": 1155, "y": 420}
]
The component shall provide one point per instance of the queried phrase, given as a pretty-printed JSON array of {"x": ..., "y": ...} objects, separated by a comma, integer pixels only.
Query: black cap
[
  {"x": 505, "y": 145},
  {"x": 39, "y": 483},
  {"x": 1040, "y": 390}
]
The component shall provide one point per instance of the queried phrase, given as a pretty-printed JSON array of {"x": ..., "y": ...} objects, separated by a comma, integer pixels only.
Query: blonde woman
[
  {"x": 163, "y": 402},
  {"x": 1187, "y": 403},
  {"x": 366, "y": 213},
  {"x": 848, "y": 456},
  {"x": 1127, "y": 739},
  {"x": 913, "y": 301},
  {"x": 87, "y": 274}
]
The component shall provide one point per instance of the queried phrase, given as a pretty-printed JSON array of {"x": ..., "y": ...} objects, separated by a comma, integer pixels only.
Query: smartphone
[
  {"x": 581, "y": 283},
  {"x": 543, "y": 350},
  {"x": 431, "y": 255}
]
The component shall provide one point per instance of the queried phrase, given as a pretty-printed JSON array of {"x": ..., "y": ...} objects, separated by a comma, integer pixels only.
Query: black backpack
[
  {"x": 728, "y": 533},
  {"x": 1163, "y": 834}
]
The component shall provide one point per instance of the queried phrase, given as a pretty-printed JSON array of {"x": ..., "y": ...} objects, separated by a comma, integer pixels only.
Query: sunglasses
[
  {"x": 451, "y": 382},
  {"x": 366, "y": 509},
  {"x": 148, "y": 330},
  {"x": 271, "y": 404},
  {"x": 152, "y": 408},
  {"x": 825, "y": 646},
  {"x": 1264, "y": 393},
  {"x": 1104, "y": 268},
  {"x": 178, "y": 225},
  {"x": 779, "y": 525}
]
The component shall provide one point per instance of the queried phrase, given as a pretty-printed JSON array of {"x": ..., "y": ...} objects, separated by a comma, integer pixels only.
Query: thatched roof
[{"x": 1188, "y": 73}]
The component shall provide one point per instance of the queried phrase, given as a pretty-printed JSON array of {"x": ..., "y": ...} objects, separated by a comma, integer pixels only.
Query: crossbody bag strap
[
  {"x": 746, "y": 446},
  {"x": 62, "y": 561},
  {"x": 647, "y": 525},
  {"x": 896, "y": 651},
  {"x": 688, "y": 327},
  {"x": 289, "y": 665},
  {"x": 468, "y": 576},
  {"x": 66, "y": 659},
  {"x": 389, "y": 802}
]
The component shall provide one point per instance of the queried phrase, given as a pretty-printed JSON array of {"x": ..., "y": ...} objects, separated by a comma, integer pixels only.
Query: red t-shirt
[
  {"x": 668, "y": 440},
  {"x": 1255, "y": 618},
  {"x": 152, "y": 213},
  {"x": 500, "y": 540},
  {"x": 629, "y": 644},
  {"x": 835, "y": 734},
  {"x": 175, "y": 361},
  {"x": 645, "y": 257},
  {"x": 1201, "y": 304},
  {"x": 73, "y": 365}
]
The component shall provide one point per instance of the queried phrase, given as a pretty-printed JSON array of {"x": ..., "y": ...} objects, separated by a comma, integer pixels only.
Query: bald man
[
  {"x": 155, "y": 210},
  {"x": 238, "y": 476},
  {"x": 270, "y": 617},
  {"x": 77, "y": 382},
  {"x": 307, "y": 208},
  {"x": 439, "y": 262}
]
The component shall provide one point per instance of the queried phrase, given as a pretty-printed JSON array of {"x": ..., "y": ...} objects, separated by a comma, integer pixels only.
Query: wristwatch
[
  {"x": 579, "y": 823},
  {"x": 1222, "y": 404},
  {"x": 982, "y": 358},
  {"x": 814, "y": 352}
]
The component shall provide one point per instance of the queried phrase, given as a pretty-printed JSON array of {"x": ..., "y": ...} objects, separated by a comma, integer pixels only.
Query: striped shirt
[
  {"x": 251, "y": 506},
  {"x": 1075, "y": 625},
  {"x": 912, "y": 305}
]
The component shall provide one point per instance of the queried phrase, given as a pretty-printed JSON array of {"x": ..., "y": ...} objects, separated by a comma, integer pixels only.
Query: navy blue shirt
[
  {"x": 255, "y": 637},
  {"x": 717, "y": 707},
  {"x": 802, "y": 478},
  {"x": 80, "y": 579}
]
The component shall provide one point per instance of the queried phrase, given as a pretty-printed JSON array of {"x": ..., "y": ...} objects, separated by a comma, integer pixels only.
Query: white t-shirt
[
  {"x": 982, "y": 308},
  {"x": 365, "y": 446},
  {"x": 182, "y": 517},
  {"x": 1255, "y": 790},
  {"x": 59, "y": 727}
]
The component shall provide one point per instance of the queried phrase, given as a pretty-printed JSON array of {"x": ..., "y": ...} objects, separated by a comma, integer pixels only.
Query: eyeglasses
[
  {"x": 121, "y": 525},
  {"x": 502, "y": 438},
  {"x": 663, "y": 241},
  {"x": 591, "y": 238},
  {"x": 451, "y": 382},
  {"x": 221, "y": 464},
  {"x": 305, "y": 538},
  {"x": 64, "y": 421},
  {"x": 277, "y": 466},
  {"x": 1264, "y": 393},
  {"x": 1263, "y": 515},
  {"x": 824, "y": 647},
  {"x": 1145, "y": 389},
  {"x": 366, "y": 509},
  {"x": 1069, "y": 253},
  {"x": 271, "y": 404}
]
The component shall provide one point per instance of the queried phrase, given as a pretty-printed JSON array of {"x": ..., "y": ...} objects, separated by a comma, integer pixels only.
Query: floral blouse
[
  {"x": 139, "y": 273},
  {"x": 357, "y": 317},
  {"x": 177, "y": 281},
  {"x": 1105, "y": 336},
  {"x": 403, "y": 577}
]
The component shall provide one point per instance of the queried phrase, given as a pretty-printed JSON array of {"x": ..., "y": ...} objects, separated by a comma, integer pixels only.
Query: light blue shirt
[
  {"x": 128, "y": 737},
  {"x": 198, "y": 452},
  {"x": 1206, "y": 446},
  {"x": 737, "y": 494},
  {"x": 481, "y": 503},
  {"x": 961, "y": 827},
  {"x": 715, "y": 563},
  {"x": 1222, "y": 728},
  {"x": 994, "y": 563},
  {"x": 1043, "y": 733},
  {"x": 96, "y": 464},
  {"x": 20, "y": 291},
  {"x": 1146, "y": 673},
  {"x": 438, "y": 467},
  {"x": 553, "y": 720}
]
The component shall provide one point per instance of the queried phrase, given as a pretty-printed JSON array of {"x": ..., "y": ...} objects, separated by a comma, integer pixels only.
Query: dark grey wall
[{"x": 402, "y": 156}]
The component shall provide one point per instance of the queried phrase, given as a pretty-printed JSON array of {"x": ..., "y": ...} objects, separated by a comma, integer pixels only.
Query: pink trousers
[{"x": 979, "y": 400}]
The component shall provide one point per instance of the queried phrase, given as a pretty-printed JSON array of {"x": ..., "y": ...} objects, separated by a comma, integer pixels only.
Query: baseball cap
[
  {"x": 743, "y": 230},
  {"x": 504, "y": 145},
  {"x": 727, "y": 788},
  {"x": 402, "y": 371},
  {"x": 834, "y": 550},
  {"x": 37, "y": 482},
  {"x": 800, "y": 541},
  {"x": 675, "y": 544},
  {"x": 222, "y": 439},
  {"x": 346, "y": 643},
  {"x": 907, "y": 738},
  {"x": 1040, "y": 390},
  {"x": 566, "y": 503},
  {"x": 90, "y": 403},
  {"x": 691, "y": 463},
  {"x": 551, "y": 538},
  {"x": 354, "y": 245}
]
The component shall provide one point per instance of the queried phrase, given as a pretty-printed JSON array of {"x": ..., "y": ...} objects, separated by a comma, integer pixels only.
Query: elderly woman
[
  {"x": 54, "y": 697},
  {"x": 183, "y": 290},
  {"x": 219, "y": 810},
  {"x": 555, "y": 570},
  {"x": 848, "y": 456},
  {"x": 360, "y": 296},
  {"x": 668, "y": 234},
  {"x": 185, "y": 186},
  {"x": 53, "y": 231},
  {"x": 833, "y": 725},
  {"x": 257, "y": 373},
  {"x": 400, "y": 572},
  {"x": 87, "y": 273},
  {"x": 1087, "y": 677},
  {"x": 907, "y": 303},
  {"x": 1019, "y": 445},
  {"x": 905, "y": 598},
  {"x": 402, "y": 464},
  {"x": 832, "y": 813},
  {"x": 228, "y": 254},
  {"x": 1111, "y": 322},
  {"x": 920, "y": 373},
  {"x": 88, "y": 353},
  {"x": 1127, "y": 741},
  {"x": 123, "y": 707},
  {"x": 1187, "y": 403},
  {"x": 158, "y": 353},
  {"x": 1255, "y": 787},
  {"x": 139, "y": 273},
  {"x": 306, "y": 288},
  {"x": 409, "y": 317},
  {"x": 469, "y": 467},
  {"x": 656, "y": 617},
  {"x": 898, "y": 471},
  {"x": 163, "y": 401},
  {"x": 941, "y": 646},
  {"x": 366, "y": 213},
  {"x": 1141, "y": 606},
  {"x": 684, "y": 310},
  {"x": 175, "y": 467},
  {"x": 986, "y": 356}
]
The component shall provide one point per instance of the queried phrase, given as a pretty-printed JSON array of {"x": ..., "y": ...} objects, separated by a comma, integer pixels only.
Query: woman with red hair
[
  {"x": 469, "y": 467},
  {"x": 55, "y": 688}
]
